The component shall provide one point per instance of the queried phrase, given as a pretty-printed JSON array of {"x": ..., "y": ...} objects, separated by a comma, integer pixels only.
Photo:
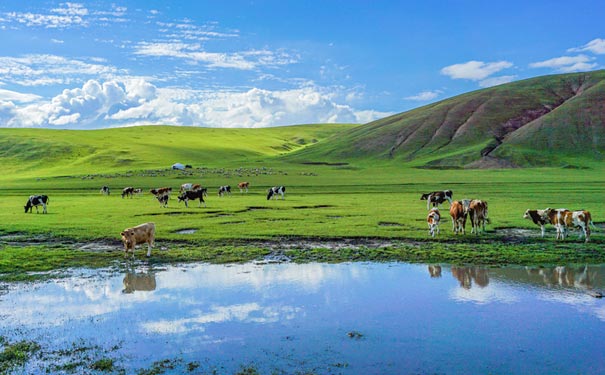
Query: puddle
[
  {"x": 389, "y": 224},
  {"x": 186, "y": 231},
  {"x": 353, "y": 318}
]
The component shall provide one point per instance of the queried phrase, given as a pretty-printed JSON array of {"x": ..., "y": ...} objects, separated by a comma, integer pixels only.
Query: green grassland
[{"x": 373, "y": 206}]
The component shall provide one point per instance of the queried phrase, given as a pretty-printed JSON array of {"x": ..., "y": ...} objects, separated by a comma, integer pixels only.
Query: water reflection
[{"x": 302, "y": 313}]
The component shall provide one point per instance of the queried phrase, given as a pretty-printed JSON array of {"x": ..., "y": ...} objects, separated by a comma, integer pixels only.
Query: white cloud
[
  {"x": 13, "y": 96},
  {"x": 67, "y": 15},
  {"x": 123, "y": 102},
  {"x": 475, "y": 70},
  {"x": 596, "y": 46},
  {"x": 245, "y": 60},
  {"x": 424, "y": 96},
  {"x": 567, "y": 64},
  {"x": 495, "y": 81}
]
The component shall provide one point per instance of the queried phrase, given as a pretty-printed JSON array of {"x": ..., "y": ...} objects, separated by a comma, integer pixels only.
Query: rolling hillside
[
  {"x": 48, "y": 152},
  {"x": 554, "y": 120}
]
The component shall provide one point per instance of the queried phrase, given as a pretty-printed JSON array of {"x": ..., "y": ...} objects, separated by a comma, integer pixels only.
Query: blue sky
[{"x": 86, "y": 65}]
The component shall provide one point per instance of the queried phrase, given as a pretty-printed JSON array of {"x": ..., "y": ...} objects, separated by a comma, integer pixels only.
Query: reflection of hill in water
[{"x": 577, "y": 276}]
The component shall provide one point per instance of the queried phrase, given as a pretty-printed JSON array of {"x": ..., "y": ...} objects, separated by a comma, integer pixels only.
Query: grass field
[{"x": 325, "y": 202}]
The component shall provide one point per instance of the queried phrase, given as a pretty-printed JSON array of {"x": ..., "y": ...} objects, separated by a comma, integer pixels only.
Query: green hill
[
  {"x": 556, "y": 120},
  {"x": 48, "y": 152}
]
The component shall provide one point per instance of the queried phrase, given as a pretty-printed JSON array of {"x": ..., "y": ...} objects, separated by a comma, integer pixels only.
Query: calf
[
  {"x": 105, "y": 190},
  {"x": 436, "y": 198},
  {"x": 140, "y": 234},
  {"x": 538, "y": 217},
  {"x": 193, "y": 195},
  {"x": 243, "y": 186},
  {"x": 35, "y": 201},
  {"x": 224, "y": 190},
  {"x": 432, "y": 220},
  {"x": 477, "y": 211},
  {"x": 275, "y": 190},
  {"x": 128, "y": 192},
  {"x": 458, "y": 215}
]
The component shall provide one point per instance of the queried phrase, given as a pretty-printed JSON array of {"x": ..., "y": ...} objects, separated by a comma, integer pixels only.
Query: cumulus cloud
[
  {"x": 424, "y": 96},
  {"x": 567, "y": 64},
  {"x": 137, "y": 101},
  {"x": 596, "y": 46},
  {"x": 475, "y": 70}
]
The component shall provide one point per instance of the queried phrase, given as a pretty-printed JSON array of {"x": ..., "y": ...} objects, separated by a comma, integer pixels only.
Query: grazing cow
[
  {"x": 458, "y": 215},
  {"x": 105, "y": 190},
  {"x": 189, "y": 186},
  {"x": 139, "y": 234},
  {"x": 35, "y": 201},
  {"x": 538, "y": 217},
  {"x": 162, "y": 195},
  {"x": 275, "y": 190},
  {"x": 163, "y": 199},
  {"x": 137, "y": 191},
  {"x": 243, "y": 186},
  {"x": 432, "y": 220},
  {"x": 477, "y": 211},
  {"x": 128, "y": 192},
  {"x": 436, "y": 198},
  {"x": 193, "y": 195},
  {"x": 224, "y": 190}
]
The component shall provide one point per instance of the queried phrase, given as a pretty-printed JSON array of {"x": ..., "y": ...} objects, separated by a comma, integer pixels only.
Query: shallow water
[{"x": 354, "y": 318}]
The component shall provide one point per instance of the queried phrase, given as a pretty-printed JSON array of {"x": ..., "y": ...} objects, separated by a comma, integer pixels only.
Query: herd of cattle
[
  {"x": 561, "y": 218},
  {"x": 474, "y": 209}
]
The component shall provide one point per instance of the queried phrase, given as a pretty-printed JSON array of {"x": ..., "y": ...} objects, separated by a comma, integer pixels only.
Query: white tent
[{"x": 178, "y": 166}]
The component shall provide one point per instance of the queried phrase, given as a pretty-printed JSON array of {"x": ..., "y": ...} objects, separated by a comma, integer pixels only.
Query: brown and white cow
[
  {"x": 243, "y": 186},
  {"x": 559, "y": 217},
  {"x": 436, "y": 198},
  {"x": 538, "y": 217},
  {"x": 432, "y": 219},
  {"x": 189, "y": 186},
  {"x": 477, "y": 211},
  {"x": 162, "y": 195},
  {"x": 143, "y": 233},
  {"x": 564, "y": 219},
  {"x": 458, "y": 215}
]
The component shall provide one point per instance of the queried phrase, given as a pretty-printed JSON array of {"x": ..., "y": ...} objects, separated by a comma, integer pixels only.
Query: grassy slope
[{"x": 532, "y": 122}]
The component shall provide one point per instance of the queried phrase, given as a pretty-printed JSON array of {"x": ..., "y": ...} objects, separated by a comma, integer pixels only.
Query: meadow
[{"x": 334, "y": 210}]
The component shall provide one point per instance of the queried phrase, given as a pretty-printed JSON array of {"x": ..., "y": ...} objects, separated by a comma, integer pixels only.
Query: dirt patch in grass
[{"x": 389, "y": 224}]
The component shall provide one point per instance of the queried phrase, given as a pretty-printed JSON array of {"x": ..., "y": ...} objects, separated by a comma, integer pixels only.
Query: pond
[{"x": 352, "y": 318}]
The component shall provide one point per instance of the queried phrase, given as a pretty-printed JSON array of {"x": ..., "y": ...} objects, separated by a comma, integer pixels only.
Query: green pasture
[{"x": 327, "y": 201}]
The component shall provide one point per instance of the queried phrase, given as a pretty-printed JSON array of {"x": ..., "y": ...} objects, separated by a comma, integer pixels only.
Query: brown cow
[
  {"x": 432, "y": 220},
  {"x": 458, "y": 215},
  {"x": 477, "y": 210},
  {"x": 139, "y": 234},
  {"x": 243, "y": 186}
]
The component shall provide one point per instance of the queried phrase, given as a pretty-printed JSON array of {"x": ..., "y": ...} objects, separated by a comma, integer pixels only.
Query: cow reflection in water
[
  {"x": 435, "y": 270},
  {"x": 566, "y": 276},
  {"x": 143, "y": 282},
  {"x": 467, "y": 275}
]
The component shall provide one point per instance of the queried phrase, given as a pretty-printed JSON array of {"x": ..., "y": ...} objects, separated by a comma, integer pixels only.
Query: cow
[
  {"x": 193, "y": 195},
  {"x": 275, "y": 190},
  {"x": 35, "y": 201},
  {"x": 128, "y": 192},
  {"x": 432, "y": 220},
  {"x": 538, "y": 217},
  {"x": 163, "y": 199},
  {"x": 137, "y": 191},
  {"x": 477, "y": 211},
  {"x": 437, "y": 197},
  {"x": 458, "y": 215},
  {"x": 559, "y": 218},
  {"x": 582, "y": 219},
  {"x": 105, "y": 190},
  {"x": 224, "y": 190},
  {"x": 243, "y": 186},
  {"x": 162, "y": 195},
  {"x": 143, "y": 233}
]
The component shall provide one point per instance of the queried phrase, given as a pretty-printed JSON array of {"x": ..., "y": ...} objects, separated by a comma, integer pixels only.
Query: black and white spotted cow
[
  {"x": 437, "y": 197},
  {"x": 224, "y": 190},
  {"x": 35, "y": 201},
  {"x": 105, "y": 190},
  {"x": 192, "y": 195},
  {"x": 275, "y": 190}
]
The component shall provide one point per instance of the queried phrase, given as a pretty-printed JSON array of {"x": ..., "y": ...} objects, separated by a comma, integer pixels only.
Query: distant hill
[
  {"x": 49, "y": 152},
  {"x": 556, "y": 120}
]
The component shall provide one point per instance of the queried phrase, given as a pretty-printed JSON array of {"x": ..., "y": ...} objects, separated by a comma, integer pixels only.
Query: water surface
[{"x": 354, "y": 318}]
